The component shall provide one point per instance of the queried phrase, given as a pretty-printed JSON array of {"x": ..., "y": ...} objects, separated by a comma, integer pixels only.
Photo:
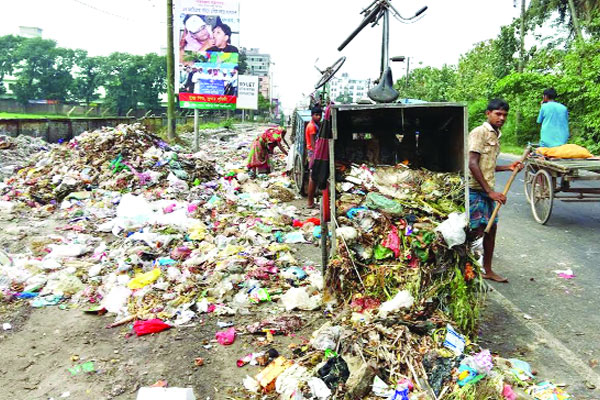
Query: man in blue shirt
[{"x": 554, "y": 118}]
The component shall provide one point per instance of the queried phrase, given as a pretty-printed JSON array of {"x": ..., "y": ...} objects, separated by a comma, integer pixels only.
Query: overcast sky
[{"x": 295, "y": 33}]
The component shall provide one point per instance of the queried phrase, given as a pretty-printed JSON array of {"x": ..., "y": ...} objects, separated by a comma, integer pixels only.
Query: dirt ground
[{"x": 43, "y": 344}]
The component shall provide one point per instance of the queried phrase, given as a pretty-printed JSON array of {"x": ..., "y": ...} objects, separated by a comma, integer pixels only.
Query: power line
[
  {"x": 113, "y": 14},
  {"x": 101, "y": 10}
]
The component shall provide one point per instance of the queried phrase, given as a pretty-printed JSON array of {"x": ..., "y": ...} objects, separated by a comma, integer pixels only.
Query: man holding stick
[{"x": 484, "y": 148}]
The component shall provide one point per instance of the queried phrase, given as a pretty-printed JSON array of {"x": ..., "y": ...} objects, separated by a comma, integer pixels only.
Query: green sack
[{"x": 379, "y": 202}]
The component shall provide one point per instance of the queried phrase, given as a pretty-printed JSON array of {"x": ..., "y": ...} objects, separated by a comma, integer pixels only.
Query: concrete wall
[
  {"x": 54, "y": 130},
  {"x": 12, "y": 106}
]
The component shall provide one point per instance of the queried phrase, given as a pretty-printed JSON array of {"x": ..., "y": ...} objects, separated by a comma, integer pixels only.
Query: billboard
[
  {"x": 206, "y": 56},
  {"x": 248, "y": 92}
]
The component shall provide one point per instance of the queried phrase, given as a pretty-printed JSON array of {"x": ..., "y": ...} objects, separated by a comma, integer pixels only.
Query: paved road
[{"x": 562, "y": 337}]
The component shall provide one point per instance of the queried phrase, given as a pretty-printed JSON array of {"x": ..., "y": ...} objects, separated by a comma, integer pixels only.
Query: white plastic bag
[
  {"x": 299, "y": 298},
  {"x": 453, "y": 229},
  {"x": 319, "y": 389},
  {"x": 402, "y": 299}
]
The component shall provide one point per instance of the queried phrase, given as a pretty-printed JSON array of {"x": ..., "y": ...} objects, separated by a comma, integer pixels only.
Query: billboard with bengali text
[{"x": 206, "y": 53}]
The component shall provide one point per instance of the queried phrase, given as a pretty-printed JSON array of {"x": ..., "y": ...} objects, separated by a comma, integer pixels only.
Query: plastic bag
[
  {"x": 378, "y": 202},
  {"x": 334, "y": 372},
  {"x": 150, "y": 326},
  {"x": 116, "y": 299},
  {"x": 348, "y": 233},
  {"x": 392, "y": 241},
  {"x": 326, "y": 337},
  {"x": 145, "y": 279},
  {"x": 319, "y": 389},
  {"x": 299, "y": 298},
  {"x": 402, "y": 299},
  {"x": 226, "y": 337},
  {"x": 453, "y": 229},
  {"x": 161, "y": 393}
]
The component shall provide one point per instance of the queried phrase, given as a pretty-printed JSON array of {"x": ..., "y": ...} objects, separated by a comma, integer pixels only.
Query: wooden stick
[{"x": 506, "y": 189}]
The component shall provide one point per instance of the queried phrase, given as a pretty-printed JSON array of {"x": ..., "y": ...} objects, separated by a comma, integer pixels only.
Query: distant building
[
  {"x": 258, "y": 63},
  {"x": 346, "y": 90},
  {"x": 30, "y": 32}
]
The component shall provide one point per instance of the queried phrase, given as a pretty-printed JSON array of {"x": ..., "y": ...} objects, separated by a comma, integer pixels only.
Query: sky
[{"x": 297, "y": 34}]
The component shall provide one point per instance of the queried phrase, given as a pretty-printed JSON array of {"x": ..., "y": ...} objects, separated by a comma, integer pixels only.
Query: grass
[{"x": 511, "y": 148}]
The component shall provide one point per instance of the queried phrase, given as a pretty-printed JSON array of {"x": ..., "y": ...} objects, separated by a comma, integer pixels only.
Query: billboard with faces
[{"x": 206, "y": 53}]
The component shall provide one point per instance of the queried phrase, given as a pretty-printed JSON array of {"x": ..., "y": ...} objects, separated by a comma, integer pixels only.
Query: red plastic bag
[
  {"x": 149, "y": 326},
  {"x": 226, "y": 337},
  {"x": 315, "y": 221},
  {"x": 392, "y": 242}
]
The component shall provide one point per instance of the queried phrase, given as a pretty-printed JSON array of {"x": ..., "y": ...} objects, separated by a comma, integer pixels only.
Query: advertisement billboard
[
  {"x": 206, "y": 54},
  {"x": 247, "y": 93}
]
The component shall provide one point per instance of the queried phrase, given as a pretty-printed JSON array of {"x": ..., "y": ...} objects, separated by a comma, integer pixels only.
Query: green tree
[
  {"x": 9, "y": 57},
  {"x": 152, "y": 81},
  {"x": 121, "y": 82},
  {"x": 571, "y": 12},
  {"x": 242, "y": 63},
  {"x": 429, "y": 84},
  {"x": 476, "y": 73},
  {"x": 89, "y": 77},
  {"x": 263, "y": 103},
  {"x": 44, "y": 71}
]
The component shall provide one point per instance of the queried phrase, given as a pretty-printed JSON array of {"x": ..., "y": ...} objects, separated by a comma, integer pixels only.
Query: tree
[
  {"x": 571, "y": 12},
  {"x": 9, "y": 58},
  {"x": 242, "y": 63},
  {"x": 429, "y": 84},
  {"x": 153, "y": 83},
  {"x": 89, "y": 77},
  {"x": 121, "y": 82},
  {"x": 476, "y": 73},
  {"x": 44, "y": 71}
]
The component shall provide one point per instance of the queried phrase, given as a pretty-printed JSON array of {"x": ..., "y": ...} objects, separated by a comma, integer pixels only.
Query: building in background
[
  {"x": 259, "y": 64},
  {"x": 346, "y": 90},
  {"x": 30, "y": 32}
]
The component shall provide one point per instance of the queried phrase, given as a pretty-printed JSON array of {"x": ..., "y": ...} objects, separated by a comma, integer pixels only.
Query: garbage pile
[
  {"x": 123, "y": 158},
  {"x": 15, "y": 152},
  {"x": 157, "y": 237},
  {"x": 389, "y": 219}
]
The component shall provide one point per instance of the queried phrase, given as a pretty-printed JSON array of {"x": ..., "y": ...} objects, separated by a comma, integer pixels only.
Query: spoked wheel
[
  {"x": 299, "y": 175},
  {"x": 330, "y": 72},
  {"x": 542, "y": 196},
  {"x": 530, "y": 171}
]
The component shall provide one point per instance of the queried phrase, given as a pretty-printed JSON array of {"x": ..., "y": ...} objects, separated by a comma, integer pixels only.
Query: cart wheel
[
  {"x": 300, "y": 176},
  {"x": 324, "y": 237},
  {"x": 542, "y": 196},
  {"x": 530, "y": 171}
]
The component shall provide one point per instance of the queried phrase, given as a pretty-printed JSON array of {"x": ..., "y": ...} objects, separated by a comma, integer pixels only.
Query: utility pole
[{"x": 171, "y": 122}]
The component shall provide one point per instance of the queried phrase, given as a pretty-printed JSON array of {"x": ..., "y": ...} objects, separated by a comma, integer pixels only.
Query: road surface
[{"x": 539, "y": 317}]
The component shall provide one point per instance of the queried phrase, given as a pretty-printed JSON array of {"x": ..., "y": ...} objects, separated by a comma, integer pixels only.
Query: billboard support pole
[
  {"x": 196, "y": 133},
  {"x": 243, "y": 115},
  {"x": 171, "y": 122}
]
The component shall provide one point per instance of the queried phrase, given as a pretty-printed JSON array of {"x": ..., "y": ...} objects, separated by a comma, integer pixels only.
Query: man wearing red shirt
[{"x": 310, "y": 135}]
